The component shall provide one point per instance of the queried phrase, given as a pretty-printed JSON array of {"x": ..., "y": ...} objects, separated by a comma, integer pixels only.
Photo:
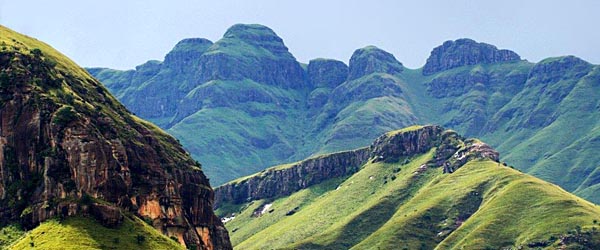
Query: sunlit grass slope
[
  {"x": 86, "y": 233},
  {"x": 483, "y": 205}
]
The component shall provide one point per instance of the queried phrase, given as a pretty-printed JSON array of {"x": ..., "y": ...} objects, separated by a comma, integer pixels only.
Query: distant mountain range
[
  {"x": 422, "y": 187},
  {"x": 244, "y": 103}
]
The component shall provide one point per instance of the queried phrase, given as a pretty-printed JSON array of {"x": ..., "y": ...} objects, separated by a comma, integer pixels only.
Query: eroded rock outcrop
[
  {"x": 462, "y": 52},
  {"x": 67, "y": 147}
]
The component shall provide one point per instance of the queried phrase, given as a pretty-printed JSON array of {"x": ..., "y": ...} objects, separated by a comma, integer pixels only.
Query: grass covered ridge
[
  {"x": 483, "y": 205},
  {"x": 86, "y": 233}
]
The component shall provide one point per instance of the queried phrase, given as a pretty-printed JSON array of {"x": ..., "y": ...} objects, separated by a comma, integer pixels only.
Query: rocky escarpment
[
  {"x": 67, "y": 147},
  {"x": 463, "y": 52},
  {"x": 370, "y": 60},
  {"x": 452, "y": 151},
  {"x": 286, "y": 179}
]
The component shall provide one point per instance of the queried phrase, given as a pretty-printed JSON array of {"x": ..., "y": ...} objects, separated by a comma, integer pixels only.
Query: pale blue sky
[{"x": 123, "y": 34}]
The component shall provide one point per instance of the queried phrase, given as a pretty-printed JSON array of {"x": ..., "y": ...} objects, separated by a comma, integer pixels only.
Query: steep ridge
[
  {"x": 422, "y": 187},
  {"x": 473, "y": 88},
  {"x": 69, "y": 148}
]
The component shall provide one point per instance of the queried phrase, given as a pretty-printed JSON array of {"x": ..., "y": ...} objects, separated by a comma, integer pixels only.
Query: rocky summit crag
[
  {"x": 68, "y": 148},
  {"x": 246, "y": 104}
]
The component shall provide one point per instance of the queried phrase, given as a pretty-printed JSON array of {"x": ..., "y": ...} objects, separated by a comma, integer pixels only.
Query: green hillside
[
  {"x": 411, "y": 204},
  {"x": 86, "y": 233}
]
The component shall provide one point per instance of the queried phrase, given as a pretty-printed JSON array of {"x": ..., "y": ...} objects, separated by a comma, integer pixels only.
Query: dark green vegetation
[
  {"x": 69, "y": 148},
  {"x": 406, "y": 201},
  {"x": 244, "y": 103}
]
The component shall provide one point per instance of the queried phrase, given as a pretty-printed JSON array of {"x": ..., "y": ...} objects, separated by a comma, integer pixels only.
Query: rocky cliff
[
  {"x": 67, "y": 147},
  {"x": 286, "y": 179},
  {"x": 452, "y": 151},
  {"x": 463, "y": 52}
]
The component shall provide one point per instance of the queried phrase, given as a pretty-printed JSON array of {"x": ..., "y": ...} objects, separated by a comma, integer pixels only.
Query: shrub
[
  {"x": 64, "y": 116},
  {"x": 36, "y": 52},
  {"x": 140, "y": 239}
]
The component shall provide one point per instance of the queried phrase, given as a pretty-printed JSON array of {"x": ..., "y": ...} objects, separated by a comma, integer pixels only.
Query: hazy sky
[{"x": 123, "y": 34}]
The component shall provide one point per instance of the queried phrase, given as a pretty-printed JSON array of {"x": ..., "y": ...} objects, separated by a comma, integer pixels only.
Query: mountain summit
[{"x": 371, "y": 59}]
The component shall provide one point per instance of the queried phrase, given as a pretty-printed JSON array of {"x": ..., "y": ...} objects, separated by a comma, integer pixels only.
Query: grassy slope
[
  {"x": 86, "y": 233},
  {"x": 361, "y": 110},
  {"x": 9, "y": 235},
  {"x": 256, "y": 133},
  {"x": 374, "y": 211},
  {"x": 570, "y": 140}
]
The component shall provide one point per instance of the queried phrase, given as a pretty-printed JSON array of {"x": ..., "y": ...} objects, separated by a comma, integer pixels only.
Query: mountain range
[
  {"x": 78, "y": 170},
  {"x": 244, "y": 103}
]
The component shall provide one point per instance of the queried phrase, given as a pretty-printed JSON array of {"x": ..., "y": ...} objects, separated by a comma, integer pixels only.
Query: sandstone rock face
[
  {"x": 276, "y": 182},
  {"x": 108, "y": 216},
  {"x": 391, "y": 146},
  {"x": 462, "y": 52},
  {"x": 65, "y": 143},
  {"x": 452, "y": 152},
  {"x": 370, "y": 60}
]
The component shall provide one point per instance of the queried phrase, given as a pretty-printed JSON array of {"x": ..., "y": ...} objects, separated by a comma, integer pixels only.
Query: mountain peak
[
  {"x": 191, "y": 45},
  {"x": 370, "y": 60},
  {"x": 185, "y": 52},
  {"x": 251, "y": 51},
  {"x": 259, "y": 36},
  {"x": 252, "y": 32},
  {"x": 462, "y": 52}
]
